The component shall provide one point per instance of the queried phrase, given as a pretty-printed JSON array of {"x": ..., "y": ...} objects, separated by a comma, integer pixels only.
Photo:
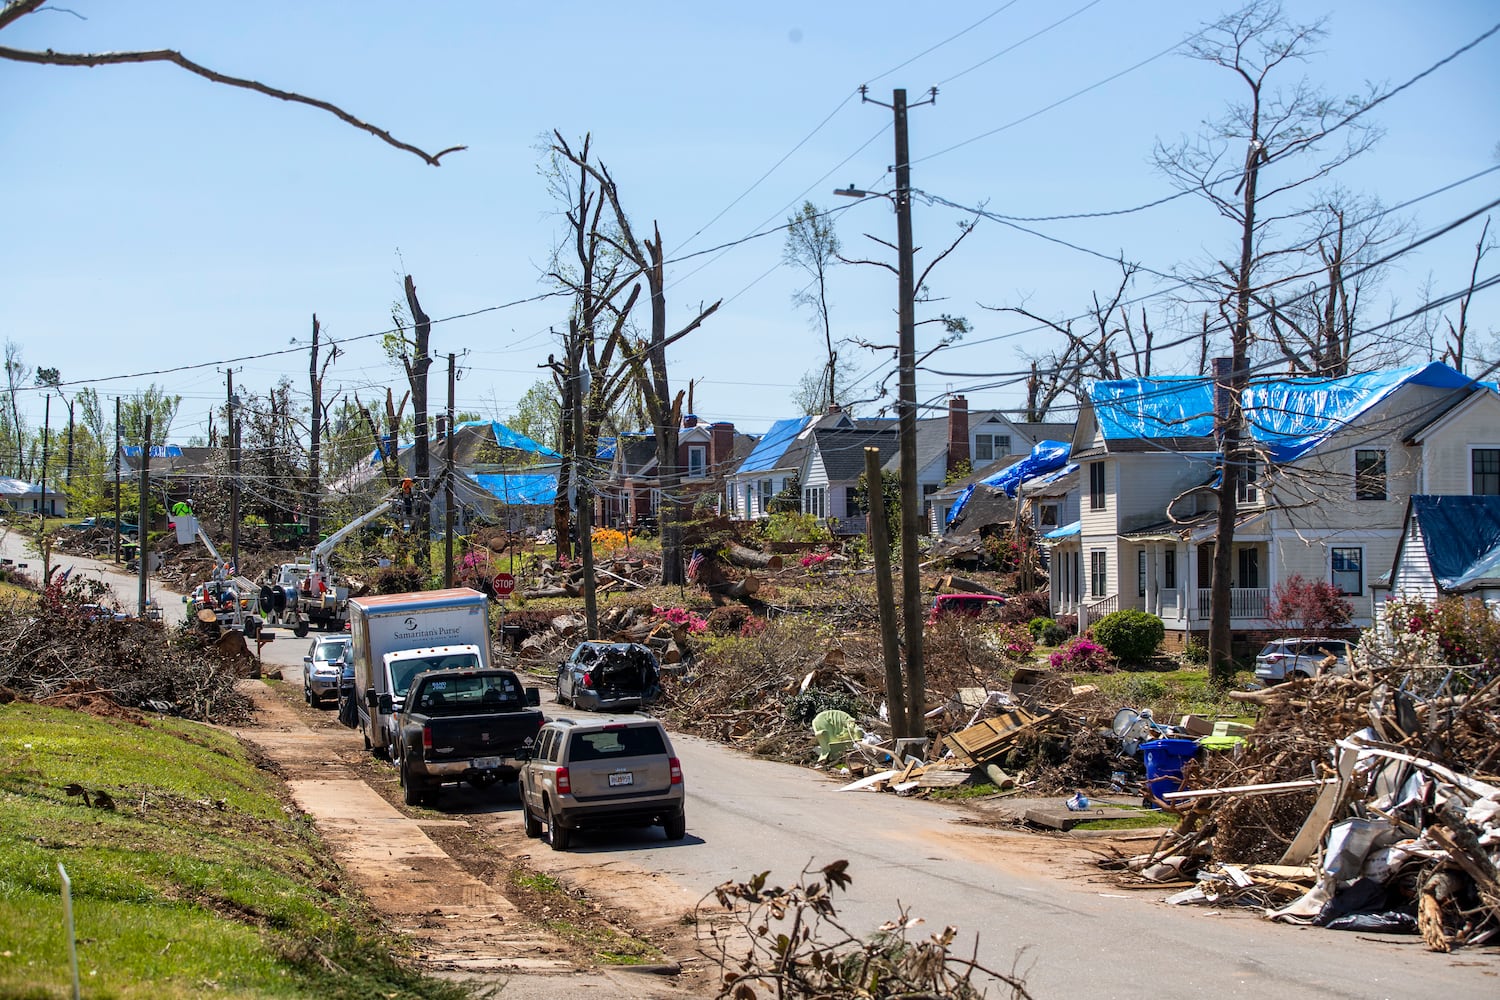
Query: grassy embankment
[{"x": 198, "y": 881}]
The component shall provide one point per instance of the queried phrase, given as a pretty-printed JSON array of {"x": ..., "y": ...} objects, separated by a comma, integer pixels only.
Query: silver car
[
  {"x": 1298, "y": 659},
  {"x": 325, "y": 667},
  {"x": 601, "y": 772}
]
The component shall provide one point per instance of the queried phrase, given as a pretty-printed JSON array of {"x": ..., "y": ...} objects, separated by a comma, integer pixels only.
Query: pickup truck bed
[{"x": 464, "y": 725}]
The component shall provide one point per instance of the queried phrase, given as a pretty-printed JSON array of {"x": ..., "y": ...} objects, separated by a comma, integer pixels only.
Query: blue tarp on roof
[
  {"x": 771, "y": 447},
  {"x": 157, "y": 451},
  {"x": 507, "y": 438},
  {"x": 1066, "y": 531},
  {"x": 1461, "y": 535},
  {"x": 1046, "y": 456},
  {"x": 520, "y": 488},
  {"x": 605, "y": 450},
  {"x": 1290, "y": 416},
  {"x": 1052, "y": 477}
]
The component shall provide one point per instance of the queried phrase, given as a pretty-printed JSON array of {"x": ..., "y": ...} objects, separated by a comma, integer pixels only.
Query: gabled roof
[
  {"x": 768, "y": 453},
  {"x": 1289, "y": 416},
  {"x": 171, "y": 459},
  {"x": 1462, "y": 537},
  {"x": 1046, "y": 456},
  {"x": 843, "y": 450},
  {"x": 504, "y": 436}
]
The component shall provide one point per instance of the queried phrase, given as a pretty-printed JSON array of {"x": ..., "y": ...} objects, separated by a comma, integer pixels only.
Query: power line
[{"x": 1015, "y": 45}]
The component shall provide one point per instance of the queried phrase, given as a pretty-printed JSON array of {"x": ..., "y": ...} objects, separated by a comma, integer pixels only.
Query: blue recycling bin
[{"x": 1164, "y": 760}]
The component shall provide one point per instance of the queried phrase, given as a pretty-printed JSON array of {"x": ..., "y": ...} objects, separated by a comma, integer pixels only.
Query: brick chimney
[
  {"x": 958, "y": 431},
  {"x": 690, "y": 420},
  {"x": 720, "y": 444}
]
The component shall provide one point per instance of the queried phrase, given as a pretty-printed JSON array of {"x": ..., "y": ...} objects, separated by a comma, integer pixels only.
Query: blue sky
[{"x": 155, "y": 221}]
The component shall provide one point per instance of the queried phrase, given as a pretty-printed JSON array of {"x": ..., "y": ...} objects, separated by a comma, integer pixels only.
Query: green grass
[
  {"x": 1147, "y": 819},
  {"x": 978, "y": 791},
  {"x": 1170, "y": 693},
  {"x": 198, "y": 881},
  {"x": 537, "y": 881},
  {"x": 607, "y": 945}
]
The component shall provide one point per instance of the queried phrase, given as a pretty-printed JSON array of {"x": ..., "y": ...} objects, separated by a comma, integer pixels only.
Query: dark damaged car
[{"x": 609, "y": 677}]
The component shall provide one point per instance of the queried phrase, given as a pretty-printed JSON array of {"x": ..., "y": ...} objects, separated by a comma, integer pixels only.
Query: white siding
[{"x": 1413, "y": 575}]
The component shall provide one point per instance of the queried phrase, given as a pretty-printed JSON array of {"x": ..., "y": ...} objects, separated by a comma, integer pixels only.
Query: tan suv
[{"x": 595, "y": 773}]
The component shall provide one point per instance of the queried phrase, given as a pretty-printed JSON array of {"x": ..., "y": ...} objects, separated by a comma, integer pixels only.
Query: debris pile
[
  {"x": 1361, "y": 802},
  {"x": 549, "y": 636},
  {"x": 53, "y": 654},
  {"x": 555, "y": 579}
]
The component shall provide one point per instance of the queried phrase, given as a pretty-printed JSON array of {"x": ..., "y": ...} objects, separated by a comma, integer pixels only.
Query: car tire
[
  {"x": 300, "y": 630},
  {"x": 409, "y": 793},
  {"x": 560, "y": 699},
  {"x": 1297, "y": 675},
  {"x": 675, "y": 826},
  {"x": 307, "y": 694},
  {"x": 532, "y": 825},
  {"x": 558, "y": 836}
]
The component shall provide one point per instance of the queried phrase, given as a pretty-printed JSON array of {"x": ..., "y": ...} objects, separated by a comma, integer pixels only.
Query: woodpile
[{"x": 1362, "y": 802}]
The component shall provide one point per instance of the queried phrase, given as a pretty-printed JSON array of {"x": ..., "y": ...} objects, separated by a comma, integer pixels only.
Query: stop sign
[{"x": 504, "y": 584}]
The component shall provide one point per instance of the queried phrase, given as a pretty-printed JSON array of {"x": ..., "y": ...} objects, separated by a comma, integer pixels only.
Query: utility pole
[
  {"x": 115, "y": 547},
  {"x": 42, "y": 497},
  {"x": 906, "y": 411},
  {"x": 314, "y": 470},
  {"x": 448, "y": 478},
  {"x": 142, "y": 535},
  {"x": 68, "y": 475},
  {"x": 234, "y": 475}
]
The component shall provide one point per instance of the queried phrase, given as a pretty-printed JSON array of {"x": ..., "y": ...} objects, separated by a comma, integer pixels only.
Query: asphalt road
[
  {"x": 14, "y": 546},
  {"x": 1068, "y": 936}
]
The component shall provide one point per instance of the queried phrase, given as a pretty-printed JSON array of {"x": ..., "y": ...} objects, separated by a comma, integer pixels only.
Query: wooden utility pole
[
  {"x": 314, "y": 468},
  {"x": 115, "y": 545},
  {"x": 234, "y": 477},
  {"x": 41, "y": 501},
  {"x": 416, "y": 374},
  {"x": 142, "y": 534},
  {"x": 448, "y": 479},
  {"x": 885, "y": 596}
]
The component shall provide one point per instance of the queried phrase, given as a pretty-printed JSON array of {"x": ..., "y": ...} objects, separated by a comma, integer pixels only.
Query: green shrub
[
  {"x": 1056, "y": 634},
  {"x": 1039, "y": 625},
  {"x": 1132, "y": 636},
  {"x": 1195, "y": 652}
]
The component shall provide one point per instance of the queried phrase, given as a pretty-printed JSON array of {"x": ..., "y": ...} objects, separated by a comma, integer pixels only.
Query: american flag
[{"x": 693, "y": 564}]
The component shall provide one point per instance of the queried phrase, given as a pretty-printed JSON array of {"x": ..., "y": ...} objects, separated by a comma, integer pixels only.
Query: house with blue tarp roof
[
  {"x": 1450, "y": 548},
  {"x": 1331, "y": 465}
]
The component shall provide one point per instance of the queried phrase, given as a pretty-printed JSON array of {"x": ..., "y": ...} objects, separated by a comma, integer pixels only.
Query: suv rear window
[{"x": 632, "y": 741}]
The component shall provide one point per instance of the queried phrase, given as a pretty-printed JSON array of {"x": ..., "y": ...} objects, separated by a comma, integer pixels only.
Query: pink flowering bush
[
  {"x": 1084, "y": 656},
  {"x": 812, "y": 559},
  {"x": 695, "y": 624},
  {"x": 1016, "y": 642}
]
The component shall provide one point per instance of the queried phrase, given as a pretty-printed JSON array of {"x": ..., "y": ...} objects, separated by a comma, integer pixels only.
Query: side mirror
[
  {"x": 307, "y": 660},
  {"x": 371, "y": 698},
  {"x": 533, "y": 697},
  {"x": 387, "y": 705},
  {"x": 184, "y": 599}
]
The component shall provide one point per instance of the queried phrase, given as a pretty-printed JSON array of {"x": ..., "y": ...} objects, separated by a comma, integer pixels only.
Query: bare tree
[
  {"x": 14, "y": 10},
  {"x": 412, "y": 351},
  {"x": 813, "y": 245},
  {"x": 646, "y": 358},
  {"x": 1457, "y": 350},
  {"x": 1294, "y": 137}
]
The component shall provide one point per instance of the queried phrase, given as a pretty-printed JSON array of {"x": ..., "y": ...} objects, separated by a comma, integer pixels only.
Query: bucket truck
[
  {"x": 306, "y": 593},
  {"x": 226, "y": 594}
]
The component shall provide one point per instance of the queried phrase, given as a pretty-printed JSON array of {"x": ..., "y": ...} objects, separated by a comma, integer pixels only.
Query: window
[
  {"x": 1248, "y": 489},
  {"x": 1369, "y": 474},
  {"x": 1049, "y": 515},
  {"x": 1348, "y": 570},
  {"x": 1169, "y": 569},
  {"x": 988, "y": 447},
  {"x": 1140, "y": 573},
  {"x": 815, "y": 501},
  {"x": 1098, "y": 572},
  {"x": 851, "y": 503},
  {"x": 697, "y": 461},
  {"x": 1249, "y": 568},
  {"x": 1096, "y": 486},
  {"x": 766, "y": 493},
  {"x": 1486, "y": 469}
]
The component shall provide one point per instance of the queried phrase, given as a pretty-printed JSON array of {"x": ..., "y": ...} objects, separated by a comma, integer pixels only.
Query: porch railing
[{"x": 1244, "y": 602}]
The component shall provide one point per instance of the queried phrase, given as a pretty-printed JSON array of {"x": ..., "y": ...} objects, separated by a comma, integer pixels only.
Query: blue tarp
[
  {"x": 1047, "y": 456},
  {"x": 520, "y": 488},
  {"x": 768, "y": 451},
  {"x": 1066, "y": 531},
  {"x": 1461, "y": 535},
  {"x": 1290, "y": 416},
  {"x": 157, "y": 451},
  {"x": 507, "y": 438}
]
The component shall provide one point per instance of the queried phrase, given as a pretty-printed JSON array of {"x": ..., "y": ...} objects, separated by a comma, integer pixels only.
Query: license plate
[
  {"x": 486, "y": 763},
  {"x": 616, "y": 780}
]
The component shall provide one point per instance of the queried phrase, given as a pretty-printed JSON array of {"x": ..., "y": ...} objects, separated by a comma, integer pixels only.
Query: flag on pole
[{"x": 693, "y": 564}]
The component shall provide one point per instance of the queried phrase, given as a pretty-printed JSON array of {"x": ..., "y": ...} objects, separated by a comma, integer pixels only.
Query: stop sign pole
[{"x": 505, "y": 585}]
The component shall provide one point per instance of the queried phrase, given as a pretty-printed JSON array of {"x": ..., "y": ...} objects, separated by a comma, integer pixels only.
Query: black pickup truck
[{"x": 464, "y": 725}]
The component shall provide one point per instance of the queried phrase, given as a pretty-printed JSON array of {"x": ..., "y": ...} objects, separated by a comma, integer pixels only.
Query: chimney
[
  {"x": 834, "y": 408},
  {"x": 690, "y": 420},
  {"x": 721, "y": 444},
  {"x": 1223, "y": 372},
  {"x": 958, "y": 431}
]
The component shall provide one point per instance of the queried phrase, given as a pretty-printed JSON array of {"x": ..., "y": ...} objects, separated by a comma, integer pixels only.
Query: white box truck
[{"x": 398, "y": 636}]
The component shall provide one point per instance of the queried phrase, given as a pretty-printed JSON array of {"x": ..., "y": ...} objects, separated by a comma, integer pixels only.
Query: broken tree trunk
[
  {"x": 750, "y": 558},
  {"x": 965, "y": 585}
]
